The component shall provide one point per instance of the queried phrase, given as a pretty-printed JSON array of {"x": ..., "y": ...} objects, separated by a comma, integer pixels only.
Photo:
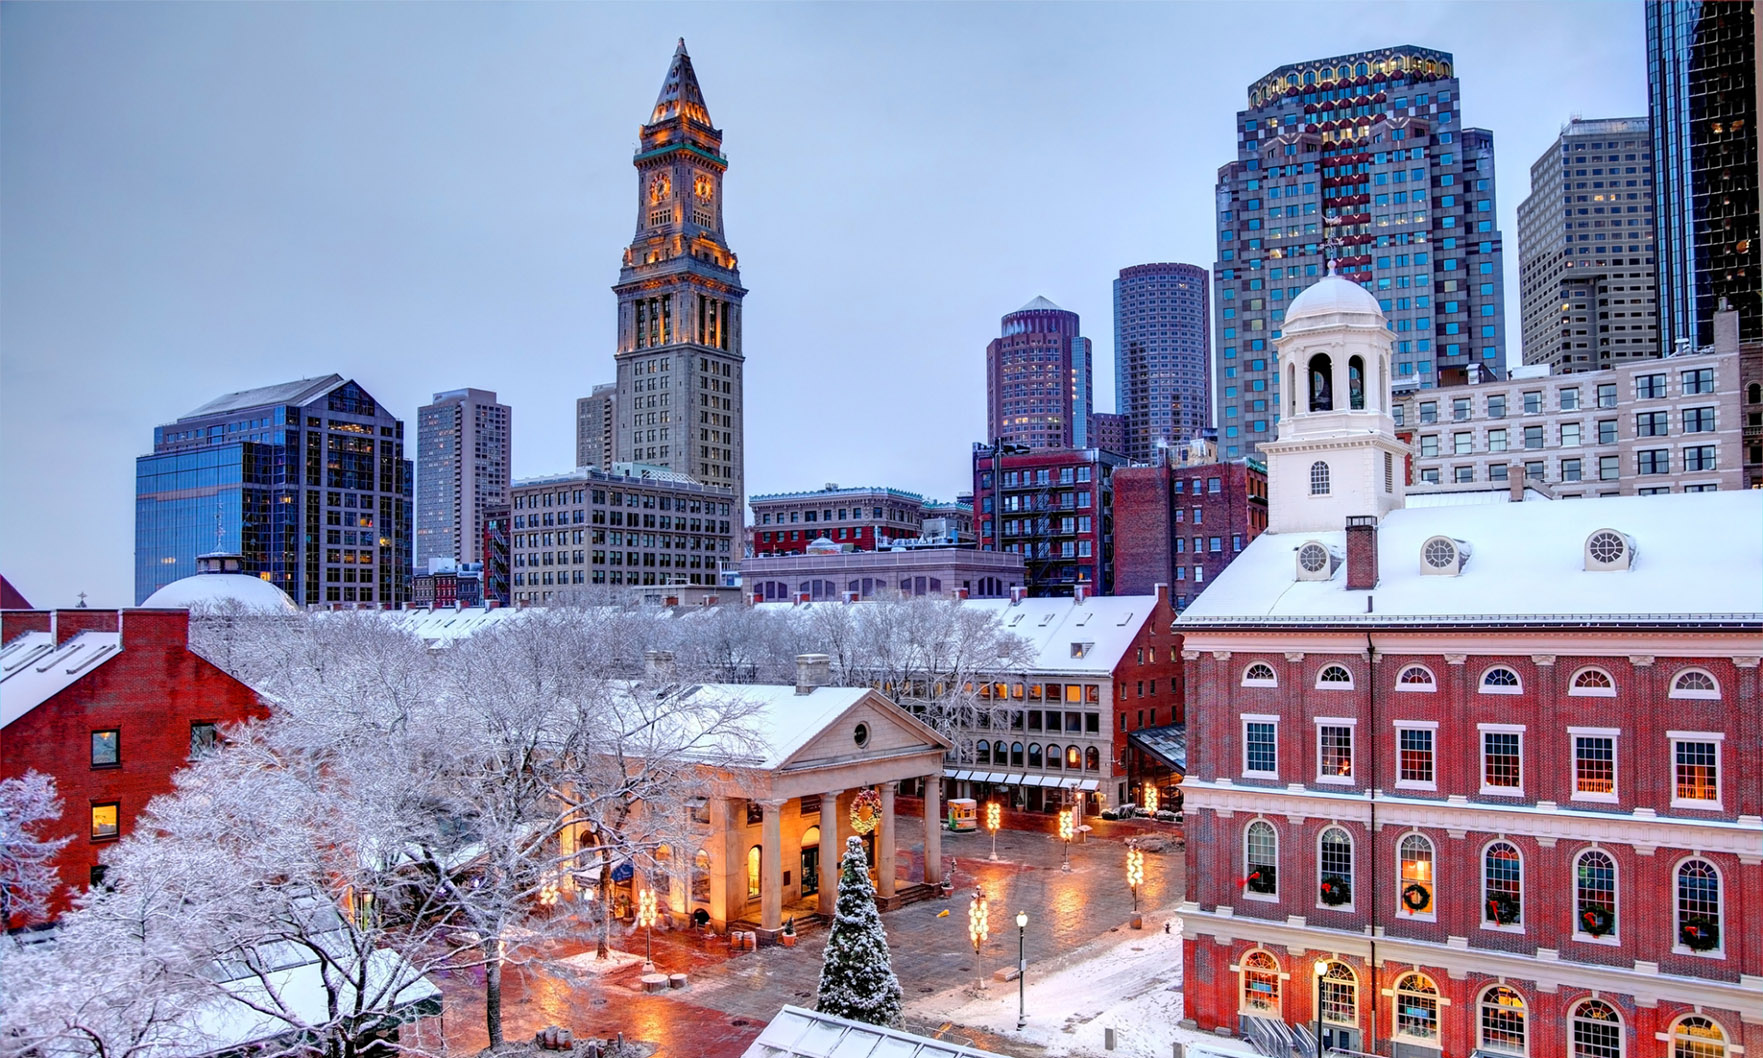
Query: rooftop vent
[
  {"x": 1607, "y": 550},
  {"x": 1442, "y": 556},
  {"x": 1317, "y": 561}
]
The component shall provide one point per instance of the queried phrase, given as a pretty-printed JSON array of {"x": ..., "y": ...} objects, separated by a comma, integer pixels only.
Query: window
[
  {"x": 1695, "y": 759},
  {"x": 1570, "y": 399},
  {"x": 1700, "y": 380},
  {"x": 1697, "y": 1037},
  {"x": 1415, "y": 882},
  {"x": 1649, "y": 387},
  {"x": 1429, "y": 446},
  {"x": 1260, "y": 984},
  {"x": 1653, "y": 461},
  {"x": 1416, "y": 678},
  {"x": 1698, "y": 420},
  {"x": 1502, "y": 759},
  {"x": 1694, "y": 683},
  {"x": 1596, "y": 1030},
  {"x": 1606, "y": 431},
  {"x": 1335, "y": 867},
  {"x": 1496, "y": 406},
  {"x": 1462, "y": 443},
  {"x": 1261, "y": 859},
  {"x": 1570, "y": 435},
  {"x": 1502, "y": 885},
  {"x": 1340, "y": 995},
  {"x": 1652, "y": 424},
  {"x": 1334, "y": 677},
  {"x": 1260, "y": 752},
  {"x": 1594, "y": 683},
  {"x": 1417, "y": 1008},
  {"x": 1334, "y": 759},
  {"x": 1606, "y": 394},
  {"x": 1594, "y": 895},
  {"x": 753, "y": 859},
  {"x": 1501, "y": 680},
  {"x": 1502, "y": 1023},
  {"x": 1319, "y": 478},
  {"x": 204, "y": 739},
  {"x": 106, "y": 748},
  {"x": 104, "y": 821},
  {"x": 1414, "y": 753},
  {"x": 1698, "y": 905},
  {"x": 1594, "y": 764},
  {"x": 1698, "y": 457}
]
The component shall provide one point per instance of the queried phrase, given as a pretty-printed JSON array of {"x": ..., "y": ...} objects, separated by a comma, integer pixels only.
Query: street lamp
[
  {"x": 1021, "y": 969},
  {"x": 1065, "y": 832},
  {"x": 1150, "y": 799},
  {"x": 994, "y": 817},
  {"x": 1321, "y": 969},
  {"x": 979, "y": 925},
  {"x": 1135, "y": 873},
  {"x": 646, "y": 919}
]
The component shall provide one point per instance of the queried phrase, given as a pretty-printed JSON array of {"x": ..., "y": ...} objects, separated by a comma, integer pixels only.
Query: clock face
[
  {"x": 702, "y": 185},
  {"x": 660, "y": 187}
]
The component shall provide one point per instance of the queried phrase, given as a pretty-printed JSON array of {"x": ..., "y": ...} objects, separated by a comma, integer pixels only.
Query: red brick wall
[
  {"x": 1156, "y": 526},
  {"x": 1142, "y": 542},
  {"x": 1152, "y": 663},
  {"x": 151, "y": 692}
]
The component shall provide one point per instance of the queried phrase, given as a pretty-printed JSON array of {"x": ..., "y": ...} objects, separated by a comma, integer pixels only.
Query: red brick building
[
  {"x": 1181, "y": 525},
  {"x": 110, "y": 703},
  {"x": 860, "y": 518},
  {"x": 1471, "y": 779},
  {"x": 1054, "y": 507}
]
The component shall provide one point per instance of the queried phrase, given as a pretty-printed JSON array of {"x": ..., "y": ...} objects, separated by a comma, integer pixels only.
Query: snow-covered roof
[
  {"x": 1697, "y": 557},
  {"x": 217, "y": 590},
  {"x": 33, "y": 669},
  {"x": 1329, "y": 295},
  {"x": 443, "y": 626},
  {"x": 779, "y": 722},
  {"x": 296, "y": 392},
  {"x": 799, "y": 1033}
]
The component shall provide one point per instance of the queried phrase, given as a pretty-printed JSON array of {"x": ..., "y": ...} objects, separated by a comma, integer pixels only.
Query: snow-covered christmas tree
[{"x": 857, "y": 980}]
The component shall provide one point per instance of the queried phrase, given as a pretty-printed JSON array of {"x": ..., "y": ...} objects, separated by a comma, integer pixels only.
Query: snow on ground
[
  {"x": 1129, "y": 981},
  {"x": 586, "y": 963}
]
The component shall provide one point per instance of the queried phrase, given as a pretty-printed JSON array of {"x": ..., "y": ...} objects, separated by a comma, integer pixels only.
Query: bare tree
[{"x": 29, "y": 805}]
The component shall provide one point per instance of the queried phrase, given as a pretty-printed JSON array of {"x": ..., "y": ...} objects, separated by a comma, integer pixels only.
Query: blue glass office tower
[
  {"x": 1702, "y": 87},
  {"x": 1162, "y": 357},
  {"x": 306, "y": 480}
]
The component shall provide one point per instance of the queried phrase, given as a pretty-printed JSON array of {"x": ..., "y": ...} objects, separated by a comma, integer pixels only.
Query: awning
[
  {"x": 1089, "y": 784},
  {"x": 1168, "y": 744}
]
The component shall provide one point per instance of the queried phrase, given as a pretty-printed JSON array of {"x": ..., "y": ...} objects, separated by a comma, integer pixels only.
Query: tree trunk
[
  {"x": 603, "y": 947},
  {"x": 493, "y": 991}
]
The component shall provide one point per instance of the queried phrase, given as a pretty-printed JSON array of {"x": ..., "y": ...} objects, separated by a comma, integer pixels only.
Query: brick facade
[{"x": 1181, "y": 525}]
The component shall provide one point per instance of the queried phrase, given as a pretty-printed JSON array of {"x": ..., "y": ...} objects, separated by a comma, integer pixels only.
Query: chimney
[
  {"x": 658, "y": 664},
  {"x": 1018, "y": 593},
  {"x": 959, "y": 594},
  {"x": 1080, "y": 593},
  {"x": 1726, "y": 328},
  {"x": 1361, "y": 552},
  {"x": 1515, "y": 483},
  {"x": 812, "y": 670}
]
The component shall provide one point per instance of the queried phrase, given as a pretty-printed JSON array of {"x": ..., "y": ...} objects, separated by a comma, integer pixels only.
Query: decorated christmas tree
[{"x": 857, "y": 980}]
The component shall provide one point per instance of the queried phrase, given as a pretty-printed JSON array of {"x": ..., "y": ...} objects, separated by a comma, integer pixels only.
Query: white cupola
[{"x": 1337, "y": 453}]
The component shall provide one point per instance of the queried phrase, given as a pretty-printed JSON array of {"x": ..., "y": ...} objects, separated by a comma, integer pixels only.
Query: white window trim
[
  {"x": 1482, "y": 870},
  {"x": 1403, "y": 1037},
  {"x": 1352, "y": 868},
  {"x": 1481, "y": 683},
  {"x": 1614, "y": 734},
  {"x": 1237, "y": 969},
  {"x": 1672, "y": 738},
  {"x": 1416, "y": 784},
  {"x": 1678, "y": 947},
  {"x": 1351, "y": 724},
  {"x": 1250, "y": 894},
  {"x": 1259, "y": 718},
  {"x": 1707, "y": 696},
  {"x": 1591, "y": 692},
  {"x": 1247, "y": 682},
  {"x": 1349, "y": 685},
  {"x": 1614, "y": 937},
  {"x": 1402, "y": 912},
  {"x": 1417, "y": 688},
  {"x": 1482, "y": 751}
]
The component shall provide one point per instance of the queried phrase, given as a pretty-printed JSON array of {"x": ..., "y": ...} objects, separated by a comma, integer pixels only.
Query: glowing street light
[
  {"x": 994, "y": 817},
  {"x": 1135, "y": 873},
  {"x": 979, "y": 925},
  {"x": 1321, "y": 968},
  {"x": 1150, "y": 799},
  {"x": 1067, "y": 827},
  {"x": 1021, "y": 969},
  {"x": 646, "y": 919}
]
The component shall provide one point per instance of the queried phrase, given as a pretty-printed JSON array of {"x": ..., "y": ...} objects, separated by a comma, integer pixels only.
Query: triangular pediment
[{"x": 887, "y": 731}]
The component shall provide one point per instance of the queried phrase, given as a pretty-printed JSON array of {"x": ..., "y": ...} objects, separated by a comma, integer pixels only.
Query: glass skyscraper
[
  {"x": 1702, "y": 85},
  {"x": 1364, "y": 158},
  {"x": 1161, "y": 356},
  {"x": 305, "y": 480}
]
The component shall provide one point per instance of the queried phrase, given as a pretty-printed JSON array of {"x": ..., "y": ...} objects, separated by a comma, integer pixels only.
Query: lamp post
[
  {"x": 1135, "y": 872},
  {"x": 1065, "y": 832},
  {"x": 1150, "y": 799},
  {"x": 1021, "y": 969},
  {"x": 994, "y": 817},
  {"x": 646, "y": 919},
  {"x": 1321, "y": 970}
]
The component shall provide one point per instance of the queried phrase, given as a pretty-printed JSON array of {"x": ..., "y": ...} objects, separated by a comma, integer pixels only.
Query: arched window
[
  {"x": 1501, "y": 680},
  {"x": 1592, "y": 682},
  {"x": 1334, "y": 678},
  {"x": 1321, "y": 383},
  {"x": 1260, "y": 984},
  {"x": 1594, "y": 894},
  {"x": 1502, "y": 1021},
  {"x": 1340, "y": 995},
  {"x": 1697, "y": 1037},
  {"x": 1260, "y": 674},
  {"x": 1073, "y": 758},
  {"x": 1502, "y": 885},
  {"x": 1335, "y": 867},
  {"x": 1055, "y": 756},
  {"x": 1034, "y": 754},
  {"x": 1694, "y": 683},
  {"x": 1355, "y": 383},
  {"x": 1415, "y": 881},
  {"x": 1016, "y": 755},
  {"x": 1261, "y": 858},
  {"x": 1000, "y": 755},
  {"x": 1417, "y": 1008},
  {"x": 1416, "y": 678},
  {"x": 1754, "y": 393},
  {"x": 1596, "y": 1031},
  {"x": 1092, "y": 759},
  {"x": 701, "y": 876},
  {"x": 1698, "y": 905},
  {"x": 1319, "y": 478},
  {"x": 982, "y": 752}
]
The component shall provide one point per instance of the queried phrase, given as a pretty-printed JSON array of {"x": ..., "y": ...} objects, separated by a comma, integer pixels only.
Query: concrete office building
[
  {"x": 1038, "y": 379},
  {"x": 1367, "y": 153},
  {"x": 1702, "y": 98},
  {"x": 596, "y": 418},
  {"x": 1162, "y": 357},
  {"x": 463, "y": 455},
  {"x": 1586, "y": 269}
]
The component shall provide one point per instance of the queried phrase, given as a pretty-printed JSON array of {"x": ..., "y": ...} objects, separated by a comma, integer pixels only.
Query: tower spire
[{"x": 680, "y": 95}]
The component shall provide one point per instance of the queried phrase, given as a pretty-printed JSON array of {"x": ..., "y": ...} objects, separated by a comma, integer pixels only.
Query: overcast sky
[{"x": 203, "y": 197}]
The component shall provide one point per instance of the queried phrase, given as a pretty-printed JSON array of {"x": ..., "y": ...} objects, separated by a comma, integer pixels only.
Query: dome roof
[
  {"x": 1329, "y": 295},
  {"x": 215, "y": 590}
]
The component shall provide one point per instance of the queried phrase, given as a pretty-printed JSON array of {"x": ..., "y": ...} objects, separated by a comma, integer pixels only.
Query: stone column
[
  {"x": 933, "y": 829},
  {"x": 722, "y": 863},
  {"x": 884, "y": 842},
  {"x": 771, "y": 867},
  {"x": 830, "y": 851}
]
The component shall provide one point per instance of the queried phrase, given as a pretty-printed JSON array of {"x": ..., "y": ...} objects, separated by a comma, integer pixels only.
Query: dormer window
[
  {"x": 1442, "y": 556},
  {"x": 1079, "y": 650},
  {"x": 1316, "y": 561},
  {"x": 1607, "y": 550}
]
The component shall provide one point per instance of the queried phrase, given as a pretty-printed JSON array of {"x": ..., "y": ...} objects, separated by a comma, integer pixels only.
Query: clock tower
[{"x": 679, "y": 300}]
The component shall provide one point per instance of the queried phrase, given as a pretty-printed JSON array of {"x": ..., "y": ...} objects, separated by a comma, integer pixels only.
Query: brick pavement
[{"x": 733, "y": 996}]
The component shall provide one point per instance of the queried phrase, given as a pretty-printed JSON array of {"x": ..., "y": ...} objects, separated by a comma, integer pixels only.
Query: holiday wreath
[
  {"x": 1416, "y": 897},
  {"x": 866, "y": 811}
]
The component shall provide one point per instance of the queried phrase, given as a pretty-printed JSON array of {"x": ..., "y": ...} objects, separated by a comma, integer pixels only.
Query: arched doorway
[{"x": 810, "y": 861}]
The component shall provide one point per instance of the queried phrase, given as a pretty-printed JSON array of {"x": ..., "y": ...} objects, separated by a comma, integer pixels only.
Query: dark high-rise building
[
  {"x": 1038, "y": 379},
  {"x": 1162, "y": 373},
  {"x": 1702, "y": 84},
  {"x": 462, "y": 467},
  {"x": 1586, "y": 269},
  {"x": 1365, "y": 156},
  {"x": 596, "y": 420},
  {"x": 306, "y": 481},
  {"x": 678, "y": 403},
  {"x": 1055, "y": 508}
]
